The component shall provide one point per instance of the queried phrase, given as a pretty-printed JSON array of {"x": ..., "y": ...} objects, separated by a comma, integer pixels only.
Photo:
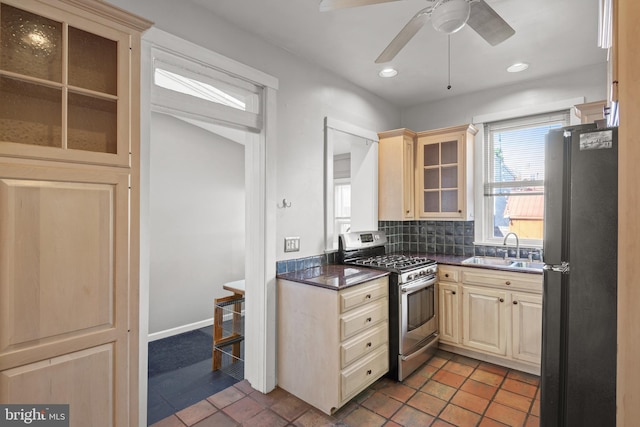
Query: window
[
  {"x": 513, "y": 190},
  {"x": 342, "y": 206}
]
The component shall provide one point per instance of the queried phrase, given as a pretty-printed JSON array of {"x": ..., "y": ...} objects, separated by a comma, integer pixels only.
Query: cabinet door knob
[
  {"x": 507, "y": 283},
  {"x": 459, "y": 211},
  {"x": 515, "y": 303},
  {"x": 446, "y": 275},
  {"x": 453, "y": 292},
  {"x": 368, "y": 319},
  {"x": 369, "y": 372},
  {"x": 368, "y": 296},
  {"x": 501, "y": 299},
  {"x": 369, "y": 344}
]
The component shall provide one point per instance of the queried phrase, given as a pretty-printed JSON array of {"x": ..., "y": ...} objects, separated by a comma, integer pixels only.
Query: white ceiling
[{"x": 554, "y": 36}]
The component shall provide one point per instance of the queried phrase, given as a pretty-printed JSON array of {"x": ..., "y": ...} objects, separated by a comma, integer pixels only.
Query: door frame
[{"x": 260, "y": 204}]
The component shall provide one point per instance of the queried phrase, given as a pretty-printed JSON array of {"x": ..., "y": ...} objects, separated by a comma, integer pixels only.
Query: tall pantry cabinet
[{"x": 69, "y": 173}]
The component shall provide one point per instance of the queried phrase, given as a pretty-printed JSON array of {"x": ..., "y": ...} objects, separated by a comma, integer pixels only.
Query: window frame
[{"x": 484, "y": 209}]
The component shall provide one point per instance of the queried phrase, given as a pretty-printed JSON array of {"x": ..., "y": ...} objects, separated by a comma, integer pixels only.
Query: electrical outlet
[{"x": 291, "y": 244}]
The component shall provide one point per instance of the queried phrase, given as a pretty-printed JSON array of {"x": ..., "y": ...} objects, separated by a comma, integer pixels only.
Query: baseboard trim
[{"x": 180, "y": 330}]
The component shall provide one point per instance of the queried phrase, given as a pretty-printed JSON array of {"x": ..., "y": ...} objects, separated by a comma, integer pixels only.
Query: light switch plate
[{"x": 291, "y": 244}]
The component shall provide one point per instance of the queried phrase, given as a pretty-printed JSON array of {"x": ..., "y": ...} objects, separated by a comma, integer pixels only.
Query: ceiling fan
[{"x": 447, "y": 16}]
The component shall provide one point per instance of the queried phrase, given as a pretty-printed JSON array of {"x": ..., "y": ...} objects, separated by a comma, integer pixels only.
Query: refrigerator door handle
[{"x": 559, "y": 268}]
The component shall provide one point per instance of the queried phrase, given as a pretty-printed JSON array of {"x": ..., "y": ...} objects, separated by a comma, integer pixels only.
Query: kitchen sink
[{"x": 506, "y": 263}]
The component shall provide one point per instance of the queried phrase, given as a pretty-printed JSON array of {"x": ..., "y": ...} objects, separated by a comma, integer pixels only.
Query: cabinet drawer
[
  {"x": 363, "y": 294},
  {"x": 363, "y": 318},
  {"x": 364, "y": 343},
  {"x": 364, "y": 372},
  {"x": 447, "y": 274},
  {"x": 506, "y": 280}
]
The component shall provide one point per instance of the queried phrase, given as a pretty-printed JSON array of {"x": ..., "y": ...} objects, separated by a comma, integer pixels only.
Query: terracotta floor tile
[
  {"x": 410, "y": 417},
  {"x": 244, "y": 387},
  {"x": 535, "y": 408},
  {"x": 391, "y": 424},
  {"x": 290, "y": 407},
  {"x": 170, "y": 421},
  {"x": 466, "y": 360},
  {"x": 219, "y": 419},
  {"x": 519, "y": 387},
  {"x": 487, "y": 377},
  {"x": 362, "y": 417},
  {"x": 449, "y": 378},
  {"x": 226, "y": 397},
  {"x": 266, "y": 418},
  {"x": 440, "y": 423},
  {"x": 438, "y": 362},
  {"x": 243, "y": 409},
  {"x": 382, "y": 383},
  {"x": 415, "y": 381},
  {"x": 470, "y": 401},
  {"x": 441, "y": 391},
  {"x": 506, "y": 415},
  {"x": 314, "y": 418},
  {"x": 513, "y": 400},
  {"x": 426, "y": 370},
  {"x": 270, "y": 398},
  {"x": 532, "y": 421},
  {"x": 364, "y": 395},
  {"x": 196, "y": 412},
  {"x": 444, "y": 354},
  {"x": 524, "y": 377},
  {"x": 488, "y": 422},
  {"x": 490, "y": 367},
  {"x": 398, "y": 391},
  {"x": 427, "y": 403},
  {"x": 479, "y": 389},
  {"x": 459, "y": 416},
  {"x": 458, "y": 368},
  {"x": 342, "y": 413},
  {"x": 382, "y": 404}
]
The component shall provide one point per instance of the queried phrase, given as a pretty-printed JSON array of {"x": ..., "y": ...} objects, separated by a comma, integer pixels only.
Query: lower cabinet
[
  {"x": 332, "y": 344},
  {"x": 492, "y": 315}
]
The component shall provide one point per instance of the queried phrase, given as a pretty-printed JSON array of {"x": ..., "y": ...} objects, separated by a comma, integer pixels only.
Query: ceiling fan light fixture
[
  {"x": 450, "y": 16},
  {"x": 388, "y": 72}
]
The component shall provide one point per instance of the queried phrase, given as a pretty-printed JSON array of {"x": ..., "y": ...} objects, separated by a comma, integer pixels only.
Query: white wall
[
  {"x": 307, "y": 93},
  {"x": 590, "y": 82},
  {"x": 197, "y": 216}
]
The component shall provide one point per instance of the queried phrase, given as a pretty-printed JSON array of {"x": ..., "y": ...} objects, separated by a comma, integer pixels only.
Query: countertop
[
  {"x": 333, "y": 276},
  {"x": 457, "y": 261}
]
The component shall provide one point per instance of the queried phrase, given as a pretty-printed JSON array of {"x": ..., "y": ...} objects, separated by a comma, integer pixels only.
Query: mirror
[{"x": 351, "y": 180}]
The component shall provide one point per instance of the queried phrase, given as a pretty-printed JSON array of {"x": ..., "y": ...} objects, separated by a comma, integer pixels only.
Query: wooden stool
[{"x": 237, "y": 335}]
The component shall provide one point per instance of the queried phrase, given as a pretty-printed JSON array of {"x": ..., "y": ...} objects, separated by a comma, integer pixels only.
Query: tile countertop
[{"x": 333, "y": 276}]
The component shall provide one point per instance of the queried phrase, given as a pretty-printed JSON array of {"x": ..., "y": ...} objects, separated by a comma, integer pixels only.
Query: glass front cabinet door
[{"x": 444, "y": 173}]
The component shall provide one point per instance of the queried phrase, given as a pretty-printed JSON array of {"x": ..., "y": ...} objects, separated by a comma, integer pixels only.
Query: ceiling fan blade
[
  {"x": 413, "y": 26},
  {"x": 488, "y": 24},
  {"x": 327, "y": 5}
]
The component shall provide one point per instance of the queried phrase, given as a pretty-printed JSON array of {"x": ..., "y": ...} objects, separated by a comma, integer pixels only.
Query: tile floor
[{"x": 449, "y": 390}]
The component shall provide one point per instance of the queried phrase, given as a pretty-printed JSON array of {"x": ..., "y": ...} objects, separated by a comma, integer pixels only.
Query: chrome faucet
[{"x": 504, "y": 242}]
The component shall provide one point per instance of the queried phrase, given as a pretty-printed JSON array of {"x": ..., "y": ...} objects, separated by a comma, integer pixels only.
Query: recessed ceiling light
[
  {"x": 517, "y": 67},
  {"x": 388, "y": 72}
]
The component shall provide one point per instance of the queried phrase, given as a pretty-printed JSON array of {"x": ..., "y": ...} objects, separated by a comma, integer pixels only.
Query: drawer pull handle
[
  {"x": 446, "y": 275},
  {"x": 501, "y": 299},
  {"x": 507, "y": 283},
  {"x": 368, "y": 319},
  {"x": 369, "y": 344},
  {"x": 369, "y": 372},
  {"x": 368, "y": 296},
  {"x": 515, "y": 303}
]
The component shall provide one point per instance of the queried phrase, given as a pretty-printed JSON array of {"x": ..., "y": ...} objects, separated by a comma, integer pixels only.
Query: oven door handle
[{"x": 412, "y": 287}]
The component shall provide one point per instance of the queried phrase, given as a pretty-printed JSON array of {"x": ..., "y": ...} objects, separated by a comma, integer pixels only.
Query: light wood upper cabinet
[
  {"x": 65, "y": 84},
  {"x": 590, "y": 111},
  {"x": 396, "y": 175},
  {"x": 444, "y": 173}
]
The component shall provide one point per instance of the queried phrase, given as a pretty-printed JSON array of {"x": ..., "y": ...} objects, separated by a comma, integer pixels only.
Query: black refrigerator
[{"x": 578, "y": 375}]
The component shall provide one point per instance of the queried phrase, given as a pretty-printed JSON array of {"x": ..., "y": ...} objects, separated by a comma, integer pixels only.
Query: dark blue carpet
[{"x": 180, "y": 373}]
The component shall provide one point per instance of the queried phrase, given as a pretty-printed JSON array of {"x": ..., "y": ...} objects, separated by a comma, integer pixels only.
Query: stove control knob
[{"x": 410, "y": 277}]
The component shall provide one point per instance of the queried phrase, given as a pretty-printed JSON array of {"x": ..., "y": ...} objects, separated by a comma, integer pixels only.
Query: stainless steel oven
[{"x": 413, "y": 298}]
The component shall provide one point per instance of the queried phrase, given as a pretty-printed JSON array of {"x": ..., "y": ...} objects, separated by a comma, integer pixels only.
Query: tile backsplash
[{"x": 433, "y": 237}]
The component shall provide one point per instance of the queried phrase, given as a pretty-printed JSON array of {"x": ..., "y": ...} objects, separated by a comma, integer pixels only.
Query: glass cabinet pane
[
  {"x": 450, "y": 177},
  {"x": 449, "y": 152},
  {"x": 432, "y": 201},
  {"x": 92, "y": 124},
  {"x": 31, "y": 45},
  {"x": 30, "y": 113},
  {"x": 431, "y": 155},
  {"x": 93, "y": 62},
  {"x": 449, "y": 201},
  {"x": 431, "y": 179}
]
